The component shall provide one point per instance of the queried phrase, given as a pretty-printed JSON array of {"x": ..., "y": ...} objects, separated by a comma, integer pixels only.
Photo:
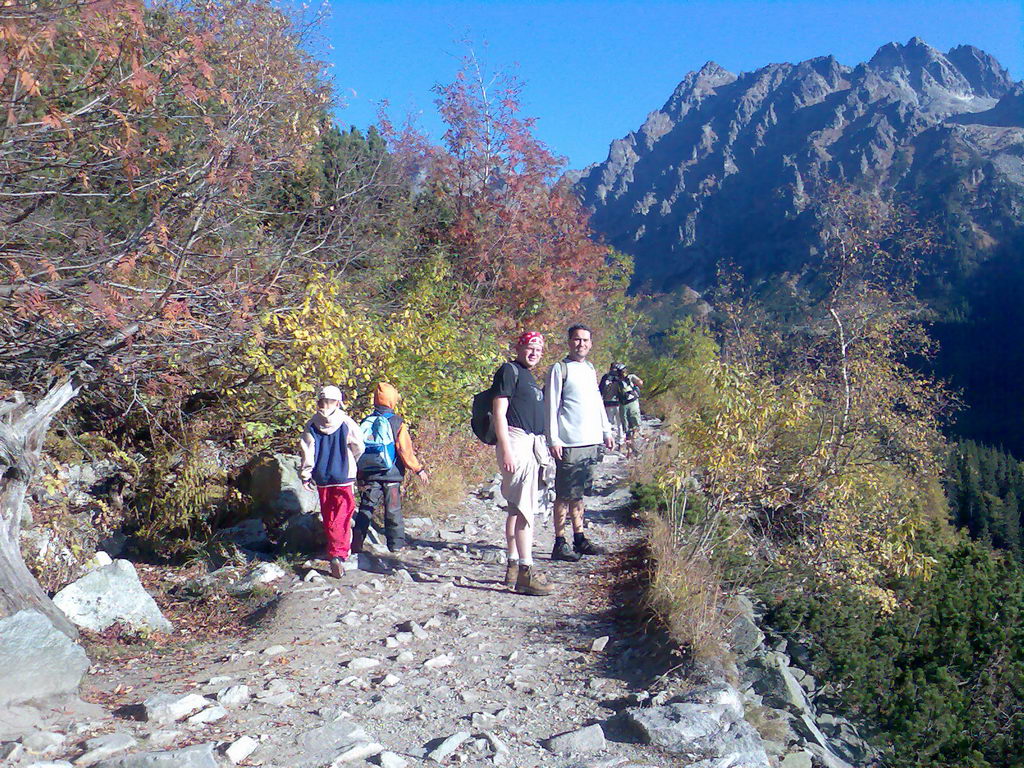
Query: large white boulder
[
  {"x": 111, "y": 594},
  {"x": 37, "y": 661}
]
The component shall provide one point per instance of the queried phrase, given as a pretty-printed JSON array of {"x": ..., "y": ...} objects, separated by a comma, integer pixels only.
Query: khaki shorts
[
  {"x": 574, "y": 472},
  {"x": 521, "y": 488}
]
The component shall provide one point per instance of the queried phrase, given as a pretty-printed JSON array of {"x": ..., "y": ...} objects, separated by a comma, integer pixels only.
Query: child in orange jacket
[{"x": 390, "y": 454}]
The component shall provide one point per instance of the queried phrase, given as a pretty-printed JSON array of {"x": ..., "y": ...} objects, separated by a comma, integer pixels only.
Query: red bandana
[{"x": 527, "y": 336}]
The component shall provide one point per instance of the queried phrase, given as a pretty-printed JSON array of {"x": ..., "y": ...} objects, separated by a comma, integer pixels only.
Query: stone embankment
[{"x": 424, "y": 657}]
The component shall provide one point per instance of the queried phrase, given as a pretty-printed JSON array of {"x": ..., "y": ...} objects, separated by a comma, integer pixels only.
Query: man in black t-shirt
[{"x": 517, "y": 412}]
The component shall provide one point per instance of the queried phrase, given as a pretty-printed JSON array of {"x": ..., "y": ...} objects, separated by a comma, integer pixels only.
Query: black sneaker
[
  {"x": 587, "y": 547},
  {"x": 563, "y": 552}
]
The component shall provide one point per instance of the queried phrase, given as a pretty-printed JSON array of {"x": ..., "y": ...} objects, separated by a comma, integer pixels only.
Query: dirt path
[{"x": 431, "y": 660}]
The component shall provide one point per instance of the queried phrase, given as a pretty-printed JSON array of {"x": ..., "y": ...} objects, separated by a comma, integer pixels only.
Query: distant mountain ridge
[{"x": 724, "y": 168}]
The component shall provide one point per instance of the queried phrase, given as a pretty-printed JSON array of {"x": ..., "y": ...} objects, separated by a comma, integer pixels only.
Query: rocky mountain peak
[
  {"x": 696, "y": 85},
  {"x": 916, "y": 53},
  {"x": 729, "y": 164},
  {"x": 985, "y": 74},
  {"x": 965, "y": 72}
]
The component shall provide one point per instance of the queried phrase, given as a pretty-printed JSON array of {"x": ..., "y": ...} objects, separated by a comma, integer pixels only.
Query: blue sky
[{"x": 593, "y": 70}]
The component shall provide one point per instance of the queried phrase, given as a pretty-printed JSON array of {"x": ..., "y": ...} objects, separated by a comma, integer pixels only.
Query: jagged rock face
[{"x": 724, "y": 168}]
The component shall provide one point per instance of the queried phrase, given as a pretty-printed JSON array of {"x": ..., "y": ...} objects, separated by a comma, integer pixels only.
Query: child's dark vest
[{"x": 330, "y": 456}]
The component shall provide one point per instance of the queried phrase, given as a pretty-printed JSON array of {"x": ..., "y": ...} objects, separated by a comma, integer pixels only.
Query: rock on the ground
[
  {"x": 43, "y": 742},
  {"x": 700, "y": 732},
  {"x": 358, "y": 751},
  {"x": 208, "y": 715},
  {"x": 111, "y": 594},
  {"x": 391, "y": 760},
  {"x": 673, "y": 726},
  {"x": 778, "y": 686},
  {"x": 588, "y": 739},
  {"x": 825, "y": 757},
  {"x": 362, "y": 662},
  {"x": 319, "y": 746},
  {"x": 801, "y": 759},
  {"x": 241, "y": 748},
  {"x": 744, "y": 636},
  {"x": 438, "y": 661},
  {"x": 273, "y": 484},
  {"x": 234, "y": 695},
  {"x": 11, "y": 751},
  {"x": 262, "y": 574},
  {"x": 102, "y": 747},
  {"x": 38, "y": 660},
  {"x": 447, "y": 747},
  {"x": 719, "y": 696},
  {"x": 163, "y": 738},
  {"x": 368, "y": 563},
  {"x": 98, "y": 560},
  {"x": 198, "y": 756},
  {"x": 249, "y": 534},
  {"x": 166, "y": 708},
  {"x": 304, "y": 533}
]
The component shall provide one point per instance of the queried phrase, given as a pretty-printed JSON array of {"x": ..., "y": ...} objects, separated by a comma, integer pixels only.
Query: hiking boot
[
  {"x": 563, "y": 552},
  {"x": 337, "y": 567},
  {"x": 358, "y": 537},
  {"x": 511, "y": 573},
  {"x": 530, "y": 583},
  {"x": 586, "y": 547}
]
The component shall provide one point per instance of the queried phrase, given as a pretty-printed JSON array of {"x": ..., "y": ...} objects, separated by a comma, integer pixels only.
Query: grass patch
[
  {"x": 456, "y": 462},
  {"x": 685, "y": 593}
]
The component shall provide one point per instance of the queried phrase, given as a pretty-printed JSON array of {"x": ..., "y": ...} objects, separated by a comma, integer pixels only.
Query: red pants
[{"x": 336, "y": 506}]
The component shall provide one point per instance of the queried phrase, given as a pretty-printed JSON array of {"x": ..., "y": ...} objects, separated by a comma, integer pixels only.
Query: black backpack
[
  {"x": 480, "y": 420},
  {"x": 609, "y": 388}
]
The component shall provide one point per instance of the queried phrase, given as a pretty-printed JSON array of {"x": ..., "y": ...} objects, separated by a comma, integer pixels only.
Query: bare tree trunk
[
  {"x": 844, "y": 371},
  {"x": 23, "y": 428}
]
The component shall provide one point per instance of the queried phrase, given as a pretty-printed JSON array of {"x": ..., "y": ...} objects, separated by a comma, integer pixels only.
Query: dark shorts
[{"x": 574, "y": 472}]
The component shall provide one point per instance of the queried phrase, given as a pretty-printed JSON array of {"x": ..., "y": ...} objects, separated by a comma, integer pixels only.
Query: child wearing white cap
[{"x": 330, "y": 445}]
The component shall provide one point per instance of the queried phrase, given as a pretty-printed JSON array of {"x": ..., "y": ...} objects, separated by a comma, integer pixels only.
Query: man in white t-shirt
[{"x": 576, "y": 427}]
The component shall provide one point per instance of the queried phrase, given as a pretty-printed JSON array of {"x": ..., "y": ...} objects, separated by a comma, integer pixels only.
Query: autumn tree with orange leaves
[
  {"x": 135, "y": 143},
  {"x": 517, "y": 236}
]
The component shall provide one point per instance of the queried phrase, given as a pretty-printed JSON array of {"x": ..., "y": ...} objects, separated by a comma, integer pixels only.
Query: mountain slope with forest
[{"x": 729, "y": 169}]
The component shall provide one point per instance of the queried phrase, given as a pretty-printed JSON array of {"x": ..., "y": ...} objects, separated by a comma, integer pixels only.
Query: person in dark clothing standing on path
[
  {"x": 388, "y": 455},
  {"x": 517, "y": 411}
]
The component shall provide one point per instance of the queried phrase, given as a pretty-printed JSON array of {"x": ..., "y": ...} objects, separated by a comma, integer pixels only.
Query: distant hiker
[
  {"x": 517, "y": 411},
  {"x": 620, "y": 391},
  {"x": 609, "y": 388},
  {"x": 382, "y": 467},
  {"x": 330, "y": 445},
  {"x": 576, "y": 427}
]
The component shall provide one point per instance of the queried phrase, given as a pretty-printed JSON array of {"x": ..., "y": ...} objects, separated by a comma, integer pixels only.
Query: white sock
[{"x": 527, "y": 561}]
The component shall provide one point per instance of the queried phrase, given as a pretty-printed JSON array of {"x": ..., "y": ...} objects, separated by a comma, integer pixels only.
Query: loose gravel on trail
[{"x": 417, "y": 658}]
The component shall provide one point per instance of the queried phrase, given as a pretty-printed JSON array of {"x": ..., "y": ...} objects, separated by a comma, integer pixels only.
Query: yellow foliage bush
[
  {"x": 760, "y": 452},
  {"x": 435, "y": 357}
]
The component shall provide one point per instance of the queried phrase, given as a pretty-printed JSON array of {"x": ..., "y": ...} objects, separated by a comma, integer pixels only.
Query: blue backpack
[{"x": 379, "y": 452}]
